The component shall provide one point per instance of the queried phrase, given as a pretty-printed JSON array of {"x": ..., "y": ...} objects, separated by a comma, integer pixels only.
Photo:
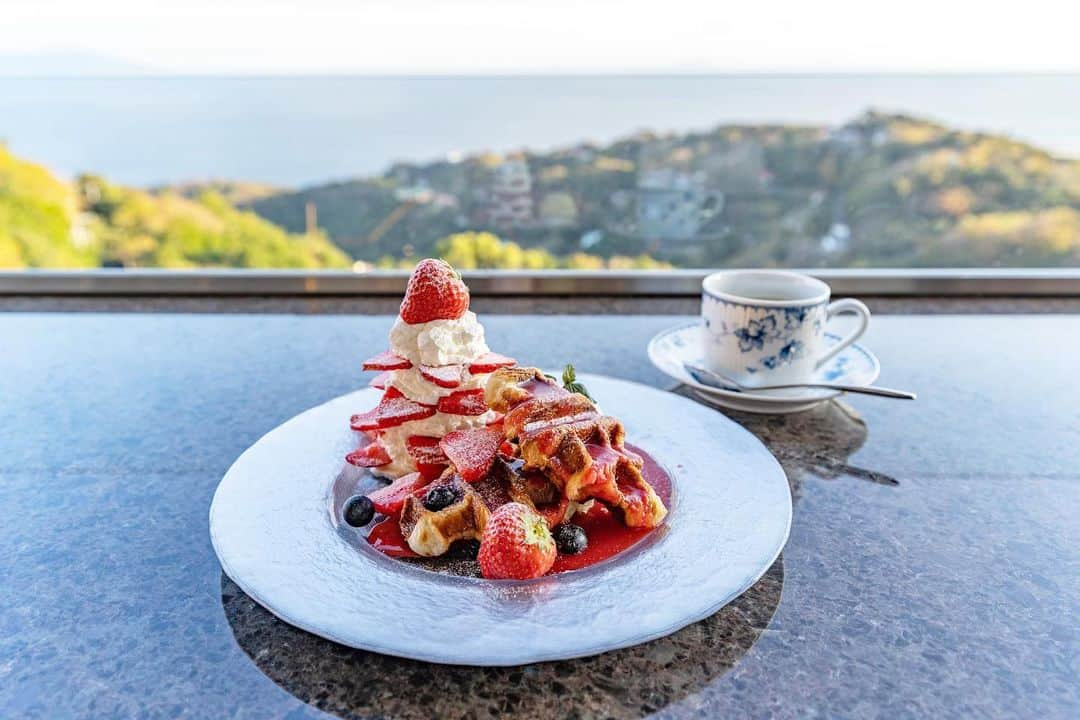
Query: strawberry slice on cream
[
  {"x": 393, "y": 410},
  {"x": 372, "y": 455},
  {"x": 445, "y": 376},
  {"x": 490, "y": 362},
  {"x": 387, "y": 360}
]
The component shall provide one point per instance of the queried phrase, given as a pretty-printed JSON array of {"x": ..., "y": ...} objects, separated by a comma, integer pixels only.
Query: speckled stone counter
[{"x": 933, "y": 568}]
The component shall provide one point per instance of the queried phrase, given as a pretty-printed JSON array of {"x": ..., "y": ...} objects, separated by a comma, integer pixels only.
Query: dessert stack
[
  {"x": 432, "y": 377},
  {"x": 490, "y": 462}
]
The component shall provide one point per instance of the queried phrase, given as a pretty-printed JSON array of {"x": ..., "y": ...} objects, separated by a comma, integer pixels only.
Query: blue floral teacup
[{"x": 767, "y": 327}]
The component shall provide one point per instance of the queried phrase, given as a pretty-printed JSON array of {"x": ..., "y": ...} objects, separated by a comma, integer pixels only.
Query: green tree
[
  {"x": 474, "y": 250},
  {"x": 38, "y": 218},
  {"x": 141, "y": 229}
]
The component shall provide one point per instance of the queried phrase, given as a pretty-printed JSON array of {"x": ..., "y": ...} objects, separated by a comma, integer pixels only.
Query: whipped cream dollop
[{"x": 439, "y": 342}]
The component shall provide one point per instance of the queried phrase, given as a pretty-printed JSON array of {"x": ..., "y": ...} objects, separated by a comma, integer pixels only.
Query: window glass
[{"x": 600, "y": 135}]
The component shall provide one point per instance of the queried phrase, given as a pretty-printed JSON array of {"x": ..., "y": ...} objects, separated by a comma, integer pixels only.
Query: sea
[{"x": 298, "y": 131}]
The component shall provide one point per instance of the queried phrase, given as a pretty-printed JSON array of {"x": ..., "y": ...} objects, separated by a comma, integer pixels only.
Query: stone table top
[{"x": 933, "y": 567}]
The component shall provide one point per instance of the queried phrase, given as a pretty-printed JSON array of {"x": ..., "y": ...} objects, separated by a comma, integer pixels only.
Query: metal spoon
[{"x": 716, "y": 380}]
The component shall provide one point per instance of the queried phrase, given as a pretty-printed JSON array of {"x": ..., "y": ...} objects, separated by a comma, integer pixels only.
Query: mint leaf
[{"x": 569, "y": 379}]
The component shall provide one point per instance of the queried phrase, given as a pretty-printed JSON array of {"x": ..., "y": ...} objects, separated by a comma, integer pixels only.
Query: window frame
[{"x": 986, "y": 282}]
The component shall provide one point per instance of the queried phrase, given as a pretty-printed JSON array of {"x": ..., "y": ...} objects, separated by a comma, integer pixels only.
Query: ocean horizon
[{"x": 296, "y": 131}]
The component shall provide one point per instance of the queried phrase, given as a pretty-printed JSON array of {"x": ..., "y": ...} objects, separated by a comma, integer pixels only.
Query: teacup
[{"x": 767, "y": 327}]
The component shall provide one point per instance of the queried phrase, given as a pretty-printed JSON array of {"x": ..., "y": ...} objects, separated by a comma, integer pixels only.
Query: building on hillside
[
  {"x": 837, "y": 240},
  {"x": 846, "y": 136},
  {"x": 422, "y": 194},
  {"x": 590, "y": 238},
  {"x": 510, "y": 202},
  {"x": 674, "y": 206},
  {"x": 858, "y": 134},
  {"x": 558, "y": 209},
  {"x": 738, "y": 168}
]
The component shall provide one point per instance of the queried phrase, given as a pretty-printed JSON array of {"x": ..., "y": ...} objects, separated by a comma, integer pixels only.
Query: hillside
[
  {"x": 37, "y": 218},
  {"x": 235, "y": 192},
  {"x": 134, "y": 228},
  {"x": 882, "y": 190},
  {"x": 48, "y": 223},
  {"x": 349, "y": 212}
]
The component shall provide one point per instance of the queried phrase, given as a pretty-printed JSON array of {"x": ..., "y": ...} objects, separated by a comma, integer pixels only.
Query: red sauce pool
[{"x": 607, "y": 535}]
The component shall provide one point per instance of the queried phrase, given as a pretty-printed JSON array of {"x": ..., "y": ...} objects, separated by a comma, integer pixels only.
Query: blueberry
[
  {"x": 464, "y": 550},
  {"x": 359, "y": 510},
  {"x": 439, "y": 497},
  {"x": 570, "y": 539}
]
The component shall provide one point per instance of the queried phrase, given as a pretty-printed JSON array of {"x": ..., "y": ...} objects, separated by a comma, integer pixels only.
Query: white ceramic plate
[
  {"x": 668, "y": 350},
  {"x": 272, "y": 527}
]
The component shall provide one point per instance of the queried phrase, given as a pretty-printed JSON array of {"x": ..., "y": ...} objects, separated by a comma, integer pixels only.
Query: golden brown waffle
[
  {"x": 430, "y": 532},
  {"x": 534, "y": 490},
  {"x": 505, "y": 389},
  {"x": 562, "y": 435}
]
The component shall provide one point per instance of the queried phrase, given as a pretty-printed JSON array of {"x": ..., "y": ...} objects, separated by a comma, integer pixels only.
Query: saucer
[{"x": 854, "y": 365}]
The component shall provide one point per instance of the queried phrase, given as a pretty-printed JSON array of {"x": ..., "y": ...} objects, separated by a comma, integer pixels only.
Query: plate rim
[
  {"x": 762, "y": 397},
  {"x": 449, "y": 655}
]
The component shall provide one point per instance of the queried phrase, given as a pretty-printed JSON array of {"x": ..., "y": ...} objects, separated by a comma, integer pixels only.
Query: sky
[{"x": 538, "y": 36}]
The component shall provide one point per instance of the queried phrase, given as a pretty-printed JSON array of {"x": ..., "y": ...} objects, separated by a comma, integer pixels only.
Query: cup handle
[{"x": 847, "y": 305}]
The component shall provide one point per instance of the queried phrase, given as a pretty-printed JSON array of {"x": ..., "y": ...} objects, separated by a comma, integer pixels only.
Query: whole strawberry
[
  {"x": 435, "y": 292},
  {"x": 516, "y": 544}
]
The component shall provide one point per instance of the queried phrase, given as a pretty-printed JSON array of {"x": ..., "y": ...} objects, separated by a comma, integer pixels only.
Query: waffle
[
  {"x": 509, "y": 386},
  {"x": 563, "y": 435},
  {"x": 535, "y": 491},
  {"x": 430, "y": 532}
]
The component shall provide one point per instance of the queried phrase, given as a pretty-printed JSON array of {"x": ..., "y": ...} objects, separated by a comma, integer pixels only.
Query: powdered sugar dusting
[
  {"x": 472, "y": 451},
  {"x": 447, "y": 376},
  {"x": 394, "y": 409}
]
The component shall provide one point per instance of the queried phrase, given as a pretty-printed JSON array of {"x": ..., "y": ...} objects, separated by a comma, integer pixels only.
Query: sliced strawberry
[
  {"x": 388, "y": 500},
  {"x": 425, "y": 450},
  {"x": 429, "y": 457},
  {"x": 431, "y": 472},
  {"x": 393, "y": 410},
  {"x": 497, "y": 422},
  {"x": 380, "y": 381},
  {"x": 447, "y": 376},
  {"x": 507, "y": 449},
  {"x": 472, "y": 451},
  {"x": 464, "y": 402},
  {"x": 387, "y": 360},
  {"x": 490, "y": 362},
  {"x": 372, "y": 455}
]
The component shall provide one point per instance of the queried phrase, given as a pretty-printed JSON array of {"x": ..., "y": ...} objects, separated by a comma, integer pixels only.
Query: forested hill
[
  {"x": 47, "y": 222},
  {"x": 881, "y": 190},
  {"x": 37, "y": 218},
  {"x": 884, "y": 190}
]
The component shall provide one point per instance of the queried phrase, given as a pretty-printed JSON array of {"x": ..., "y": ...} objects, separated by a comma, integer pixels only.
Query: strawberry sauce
[
  {"x": 607, "y": 535},
  {"x": 386, "y": 537}
]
